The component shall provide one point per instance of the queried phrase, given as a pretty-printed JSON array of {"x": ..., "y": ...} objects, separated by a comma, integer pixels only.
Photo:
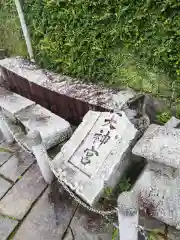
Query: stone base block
[{"x": 159, "y": 196}]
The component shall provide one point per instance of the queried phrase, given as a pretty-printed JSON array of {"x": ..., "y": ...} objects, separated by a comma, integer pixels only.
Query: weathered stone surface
[
  {"x": 1, "y": 137},
  {"x": 150, "y": 223},
  {"x": 52, "y": 128},
  {"x": 4, "y": 186},
  {"x": 97, "y": 154},
  {"x": 13, "y": 103},
  {"x": 69, "y": 235},
  {"x": 172, "y": 123},
  {"x": 7, "y": 225},
  {"x": 4, "y": 156},
  {"x": 160, "y": 195},
  {"x": 86, "y": 225},
  {"x": 41, "y": 222},
  {"x": 19, "y": 199},
  {"x": 173, "y": 234},
  {"x": 69, "y": 98},
  {"x": 16, "y": 165},
  {"x": 160, "y": 144}
]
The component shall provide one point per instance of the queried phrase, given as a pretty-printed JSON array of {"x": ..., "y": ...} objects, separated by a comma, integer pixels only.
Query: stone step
[
  {"x": 160, "y": 144},
  {"x": 160, "y": 195},
  {"x": 11, "y": 103}
]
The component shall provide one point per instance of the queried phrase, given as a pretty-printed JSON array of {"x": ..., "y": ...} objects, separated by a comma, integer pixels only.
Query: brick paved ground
[{"x": 27, "y": 212}]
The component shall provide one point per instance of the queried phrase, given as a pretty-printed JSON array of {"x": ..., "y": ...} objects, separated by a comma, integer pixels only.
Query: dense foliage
[
  {"x": 87, "y": 38},
  {"x": 10, "y": 31}
]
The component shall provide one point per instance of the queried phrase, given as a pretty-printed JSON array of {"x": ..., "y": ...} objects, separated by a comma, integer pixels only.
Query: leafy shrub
[
  {"x": 89, "y": 38},
  {"x": 11, "y": 37}
]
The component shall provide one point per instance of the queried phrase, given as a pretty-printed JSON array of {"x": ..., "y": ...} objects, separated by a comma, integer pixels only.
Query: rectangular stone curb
[
  {"x": 22, "y": 195},
  {"x": 64, "y": 96}
]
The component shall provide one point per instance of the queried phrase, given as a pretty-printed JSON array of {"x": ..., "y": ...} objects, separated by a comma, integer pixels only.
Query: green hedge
[
  {"x": 11, "y": 36},
  {"x": 88, "y": 38}
]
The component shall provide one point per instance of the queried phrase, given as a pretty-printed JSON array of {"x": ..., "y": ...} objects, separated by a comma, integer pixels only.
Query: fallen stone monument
[
  {"x": 97, "y": 154},
  {"x": 158, "y": 184}
]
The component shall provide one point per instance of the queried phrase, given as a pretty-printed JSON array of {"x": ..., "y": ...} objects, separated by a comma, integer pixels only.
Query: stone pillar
[
  {"x": 41, "y": 155},
  {"x": 3, "y": 126},
  {"x": 128, "y": 216}
]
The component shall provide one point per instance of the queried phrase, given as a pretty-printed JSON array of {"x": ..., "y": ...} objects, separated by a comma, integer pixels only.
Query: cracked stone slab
[
  {"x": 86, "y": 225},
  {"x": 97, "y": 155},
  {"x": 17, "y": 165},
  {"x": 53, "y": 129},
  {"x": 19, "y": 199},
  {"x": 12, "y": 103},
  {"x": 7, "y": 226},
  {"x": 41, "y": 221},
  {"x": 161, "y": 145},
  {"x": 4, "y": 186}
]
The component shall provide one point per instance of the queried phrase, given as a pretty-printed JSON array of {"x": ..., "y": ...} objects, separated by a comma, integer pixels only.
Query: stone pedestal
[{"x": 159, "y": 183}]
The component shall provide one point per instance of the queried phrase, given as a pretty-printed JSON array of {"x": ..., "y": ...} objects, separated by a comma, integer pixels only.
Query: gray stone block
[
  {"x": 7, "y": 226},
  {"x": 173, "y": 234},
  {"x": 97, "y": 155},
  {"x": 12, "y": 103},
  {"x": 161, "y": 145},
  {"x": 41, "y": 221},
  {"x": 4, "y": 186},
  {"x": 16, "y": 165},
  {"x": 53, "y": 129},
  {"x": 172, "y": 123},
  {"x": 159, "y": 194},
  {"x": 19, "y": 199}
]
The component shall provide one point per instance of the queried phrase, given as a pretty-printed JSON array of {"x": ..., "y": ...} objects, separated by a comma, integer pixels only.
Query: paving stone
[
  {"x": 17, "y": 165},
  {"x": 41, "y": 222},
  {"x": 19, "y": 199},
  {"x": 4, "y": 186},
  {"x": 13, "y": 103},
  {"x": 4, "y": 156},
  {"x": 86, "y": 225},
  {"x": 173, "y": 234},
  {"x": 7, "y": 225},
  {"x": 69, "y": 235}
]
